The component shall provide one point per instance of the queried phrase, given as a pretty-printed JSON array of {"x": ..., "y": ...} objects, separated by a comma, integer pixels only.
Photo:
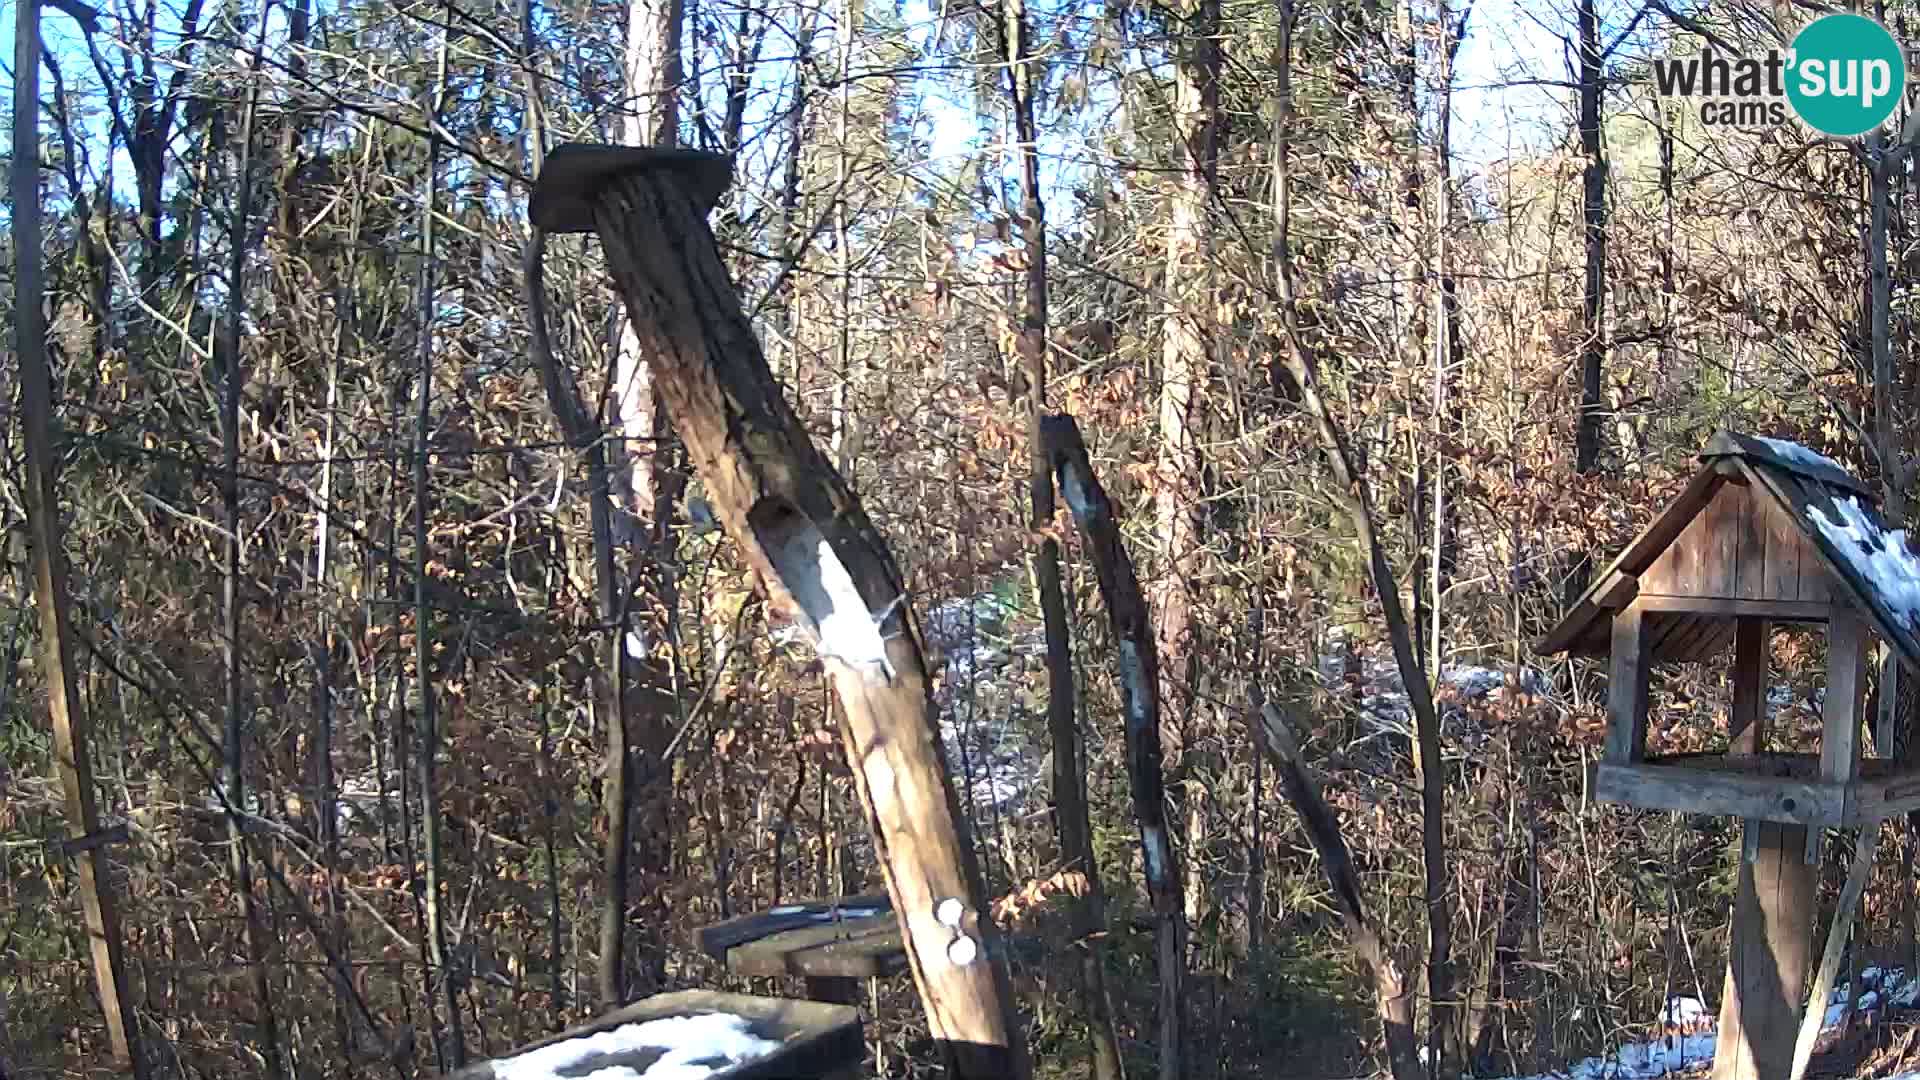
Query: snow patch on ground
[
  {"x": 695, "y": 1047},
  {"x": 1383, "y": 696},
  {"x": 1689, "y": 1046},
  {"x": 1881, "y": 558},
  {"x": 1686, "y": 1012},
  {"x": 984, "y": 664}
]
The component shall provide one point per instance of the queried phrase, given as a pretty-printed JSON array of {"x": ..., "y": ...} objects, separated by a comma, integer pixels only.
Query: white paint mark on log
[
  {"x": 963, "y": 951},
  {"x": 1133, "y": 679},
  {"x": 1073, "y": 487},
  {"x": 1158, "y": 854},
  {"x": 842, "y": 625}
]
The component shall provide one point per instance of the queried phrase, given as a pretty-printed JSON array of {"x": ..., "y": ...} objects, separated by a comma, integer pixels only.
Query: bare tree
[{"x": 72, "y": 753}]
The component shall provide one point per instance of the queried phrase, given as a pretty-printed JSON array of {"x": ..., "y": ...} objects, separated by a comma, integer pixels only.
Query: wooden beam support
[
  {"x": 803, "y": 532},
  {"x": 1627, "y": 686},
  {"x": 1772, "y": 946},
  {"x": 1735, "y": 607},
  {"x": 1720, "y": 794},
  {"x": 1747, "y": 721},
  {"x": 1840, "y": 716}
]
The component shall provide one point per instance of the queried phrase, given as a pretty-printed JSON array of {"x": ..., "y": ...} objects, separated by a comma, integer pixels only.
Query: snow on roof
[
  {"x": 1788, "y": 450},
  {"x": 696, "y": 1047},
  {"x": 1881, "y": 559}
]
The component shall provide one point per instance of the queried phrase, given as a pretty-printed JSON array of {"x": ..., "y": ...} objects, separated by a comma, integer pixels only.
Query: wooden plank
[
  {"x": 1719, "y": 544},
  {"x": 715, "y": 940},
  {"x": 854, "y": 947},
  {"x": 1627, "y": 686},
  {"x": 1769, "y": 959},
  {"x": 816, "y": 1038},
  {"x": 1616, "y": 590},
  {"x": 1750, "y": 565},
  {"x": 1840, "y": 715},
  {"x": 1687, "y": 640},
  {"x": 1725, "y": 606},
  {"x": 1782, "y": 573},
  {"x": 1746, "y": 725},
  {"x": 1888, "y": 797},
  {"x": 1714, "y": 643},
  {"x": 1685, "y": 555},
  {"x": 1720, "y": 794}
]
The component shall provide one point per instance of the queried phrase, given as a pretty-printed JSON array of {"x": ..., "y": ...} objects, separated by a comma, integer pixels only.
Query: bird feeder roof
[{"x": 1766, "y": 528}]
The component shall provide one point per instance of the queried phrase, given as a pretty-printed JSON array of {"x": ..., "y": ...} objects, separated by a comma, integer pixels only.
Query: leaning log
[
  {"x": 803, "y": 532},
  {"x": 1391, "y": 999},
  {"x": 1139, "y": 674}
]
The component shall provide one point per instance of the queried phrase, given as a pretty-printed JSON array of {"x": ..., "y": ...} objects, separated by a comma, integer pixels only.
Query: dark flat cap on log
[{"x": 573, "y": 173}]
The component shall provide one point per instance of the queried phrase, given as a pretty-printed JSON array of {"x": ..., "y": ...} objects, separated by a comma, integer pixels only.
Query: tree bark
[
  {"x": 1593, "y": 213},
  {"x": 1069, "y": 773},
  {"x": 1139, "y": 670},
  {"x": 803, "y": 532},
  {"x": 428, "y": 752},
  {"x": 1189, "y": 333},
  {"x": 646, "y": 489},
  {"x": 236, "y": 719},
  {"x": 71, "y": 751}
]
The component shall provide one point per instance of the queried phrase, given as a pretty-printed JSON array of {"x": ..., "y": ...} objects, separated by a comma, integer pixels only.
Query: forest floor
[{"x": 1879, "y": 1041}]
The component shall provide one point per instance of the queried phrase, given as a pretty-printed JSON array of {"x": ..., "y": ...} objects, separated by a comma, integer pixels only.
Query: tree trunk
[
  {"x": 1189, "y": 333},
  {"x": 1593, "y": 212},
  {"x": 1069, "y": 774},
  {"x": 236, "y": 725},
  {"x": 72, "y": 754},
  {"x": 804, "y": 534},
  {"x": 646, "y": 489},
  {"x": 428, "y": 751},
  {"x": 1139, "y": 670},
  {"x": 1297, "y": 364}
]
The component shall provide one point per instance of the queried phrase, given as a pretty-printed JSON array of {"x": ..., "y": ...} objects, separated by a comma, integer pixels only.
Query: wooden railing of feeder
[
  {"x": 1765, "y": 534},
  {"x": 803, "y": 532}
]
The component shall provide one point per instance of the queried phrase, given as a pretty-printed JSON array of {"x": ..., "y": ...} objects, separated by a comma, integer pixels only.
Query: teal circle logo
[{"x": 1846, "y": 74}]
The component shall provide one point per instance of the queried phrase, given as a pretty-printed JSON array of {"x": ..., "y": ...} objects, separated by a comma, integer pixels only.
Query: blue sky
[{"x": 1496, "y": 114}]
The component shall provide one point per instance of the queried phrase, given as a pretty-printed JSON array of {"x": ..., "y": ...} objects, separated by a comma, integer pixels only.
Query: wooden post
[
  {"x": 1771, "y": 949},
  {"x": 1773, "y": 905},
  {"x": 1840, "y": 711},
  {"x": 803, "y": 532},
  {"x": 1627, "y": 686},
  {"x": 1139, "y": 667},
  {"x": 50, "y": 591}
]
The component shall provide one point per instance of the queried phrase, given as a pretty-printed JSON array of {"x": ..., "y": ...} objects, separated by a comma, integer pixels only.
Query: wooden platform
[
  {"x": 1785, "y": 788},
  {"x": 852, "y": 938},
  {"x": 819, "y": 1041}
]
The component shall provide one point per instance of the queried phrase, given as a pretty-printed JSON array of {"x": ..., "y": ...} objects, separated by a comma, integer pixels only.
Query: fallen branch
[{"x": 1391, "y": 998}]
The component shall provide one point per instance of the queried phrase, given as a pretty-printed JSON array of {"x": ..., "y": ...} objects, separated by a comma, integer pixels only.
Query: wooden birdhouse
[{"x": 1767, "y": 533}]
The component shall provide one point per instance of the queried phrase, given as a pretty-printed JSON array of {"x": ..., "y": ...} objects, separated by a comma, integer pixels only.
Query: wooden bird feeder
[
  {"x": 1767, "y": 533},
  {"x": 832, "y": 944}
]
